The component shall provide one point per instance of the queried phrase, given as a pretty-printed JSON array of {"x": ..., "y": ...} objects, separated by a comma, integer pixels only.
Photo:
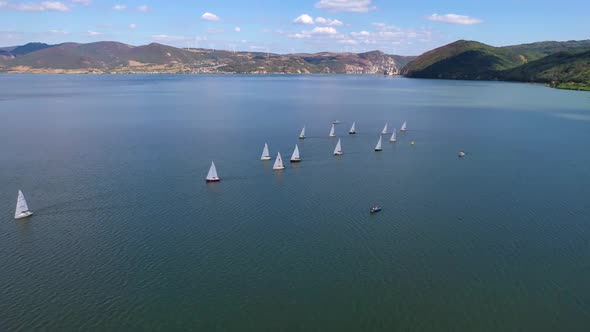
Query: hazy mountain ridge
[
  {"x": 114, "y": 57},
  {"x": 559, "y": 64}
]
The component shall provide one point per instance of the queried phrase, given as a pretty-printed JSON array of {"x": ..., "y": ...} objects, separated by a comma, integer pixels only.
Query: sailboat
[
  {"x": 332, "y": 134},
  {"x": 384, "y": 131},
  {"x": 278, "y": 162},
  {"x": 302, "y": 135},
  {"x": 22, "y": 210},
  {"x": 212, "y": 175},
  {"x": 352, "y": 130},
  {"x": 295, "y": 156},
  {"x": 393, "y": 137},
  {"x": 378, "y": 146},
  {"x": 265, "y": 153},
  {"x": 404, "y": 125},
  {"x": 338, "y": 149}
]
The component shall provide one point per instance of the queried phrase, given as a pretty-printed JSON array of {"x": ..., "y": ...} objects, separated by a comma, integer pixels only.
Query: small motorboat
[
  {"x": 375, "y": 209},
  {"x": 336, "y": 122},
  {"x": 461, "y": 154}
]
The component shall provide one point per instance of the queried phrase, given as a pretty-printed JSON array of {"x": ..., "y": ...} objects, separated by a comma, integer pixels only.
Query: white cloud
[
  {"x": 132, "y": 26},
  {"x": 303, "y": 19},
  {"x": 360, "y": 34},
  {"x": 209, "y": 17},
  {"x": 90, "y": 33},
  {"x": 299, "y": 35},
  {"x": 355, "y": 6},
  {"x": 454, "y": 19},
  {"x": 328, "y": 21},
  {"x": 83, "y": 2},
  {"x": 348, "y": 41},
  {"x": 323, "y": 31},
  {"x": 35, "y": 6},
  {"x": 143, "y": 8},
  {"x": 237, "y": 29},
  {"x": 119, "y": 7}
]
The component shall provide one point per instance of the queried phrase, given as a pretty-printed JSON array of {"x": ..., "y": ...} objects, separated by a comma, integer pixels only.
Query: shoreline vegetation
[{"x": 560, "y": 65}]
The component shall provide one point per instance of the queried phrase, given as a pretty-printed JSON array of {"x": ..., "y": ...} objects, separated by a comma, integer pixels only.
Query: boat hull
[
  {"x": 378, "y": 149},
  {"x": 352, "y": 132},
  {"x": 278, "y": 168},
  {"x": 265, "y": 158},
  {"x": 24, "y": 215},
  {"x": 213, "y": 180},
  {"x": 337, "y": 153},
  {"x": 295, "y": 160},
  {"x": 393, "y": 140},
  {"x": 301, "y": 137}
]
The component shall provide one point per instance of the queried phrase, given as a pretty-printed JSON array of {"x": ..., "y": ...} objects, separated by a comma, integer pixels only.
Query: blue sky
[{"x": 286, "y": 26}]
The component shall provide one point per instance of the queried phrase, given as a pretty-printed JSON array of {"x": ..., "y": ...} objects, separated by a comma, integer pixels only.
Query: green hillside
[
  {"x": 565, "y": 70},
  {"x": 463, "y": 60},
  {"x": 559, "y": 64}
]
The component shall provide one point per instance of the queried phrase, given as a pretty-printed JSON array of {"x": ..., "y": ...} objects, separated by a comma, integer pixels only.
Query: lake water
[{"x": 127, "y": 235}]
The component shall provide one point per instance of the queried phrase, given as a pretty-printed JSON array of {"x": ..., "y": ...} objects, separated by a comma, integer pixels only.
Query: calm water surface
[{"x": 127, "y": 236}]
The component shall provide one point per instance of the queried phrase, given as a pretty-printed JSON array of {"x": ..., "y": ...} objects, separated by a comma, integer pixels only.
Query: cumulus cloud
[
  {"x": 237, "y": 29},
  {"x": 309, "y": 20},
  {"x": 454, "y": 19},
  {"x": 323, "y": 31},
  {"x": 303, "y": 19},
  {"x": 83, "y": 2},
  {"x": 317, "y": 31},
  {"x": 132, "y": 26},
  {"x": 209, "y": 17},
  {"x": 119, "y": 7},
  {"x": 35, "y": 6},
  {"x": 143, "y": 8},
  {"x": 355, "y": 6},
  {"x": 328, "y": 21}
]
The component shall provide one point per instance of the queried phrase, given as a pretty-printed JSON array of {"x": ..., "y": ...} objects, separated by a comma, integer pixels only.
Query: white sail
[
  {"x": 212, "y": 175},
  {"x": 338, "y": 149},
  {"x": 404, "y": 125},
  {"x": 378, "y": 146},
  {"x": 332, "y": 134},
  {"x": 265, "y": 153},
  {"x": 22, "y": 209},
  {"x": 384, "y": 131},
  {"x": 352, "y": 128},
  {"x": 278, "y": 162},
  {"x": 393, "y": 137},
  {"x": 302, "y": 135},
  {"x": 295, "y": 156}
]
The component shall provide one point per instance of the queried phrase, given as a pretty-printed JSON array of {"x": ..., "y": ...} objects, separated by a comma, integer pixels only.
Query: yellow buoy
[{"x": 412, "y": 142}]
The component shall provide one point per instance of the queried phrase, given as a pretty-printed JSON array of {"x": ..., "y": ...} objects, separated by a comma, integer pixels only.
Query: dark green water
[{"x": 127, "y": 236}]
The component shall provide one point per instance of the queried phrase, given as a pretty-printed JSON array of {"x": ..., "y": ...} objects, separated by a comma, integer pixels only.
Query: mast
[{"x": 332, "y": 134}]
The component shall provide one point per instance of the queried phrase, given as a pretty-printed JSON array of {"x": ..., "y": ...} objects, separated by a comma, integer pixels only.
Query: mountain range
[
  {"x": 114, "y": 57},
  {"x": 558, "y": 64}
]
